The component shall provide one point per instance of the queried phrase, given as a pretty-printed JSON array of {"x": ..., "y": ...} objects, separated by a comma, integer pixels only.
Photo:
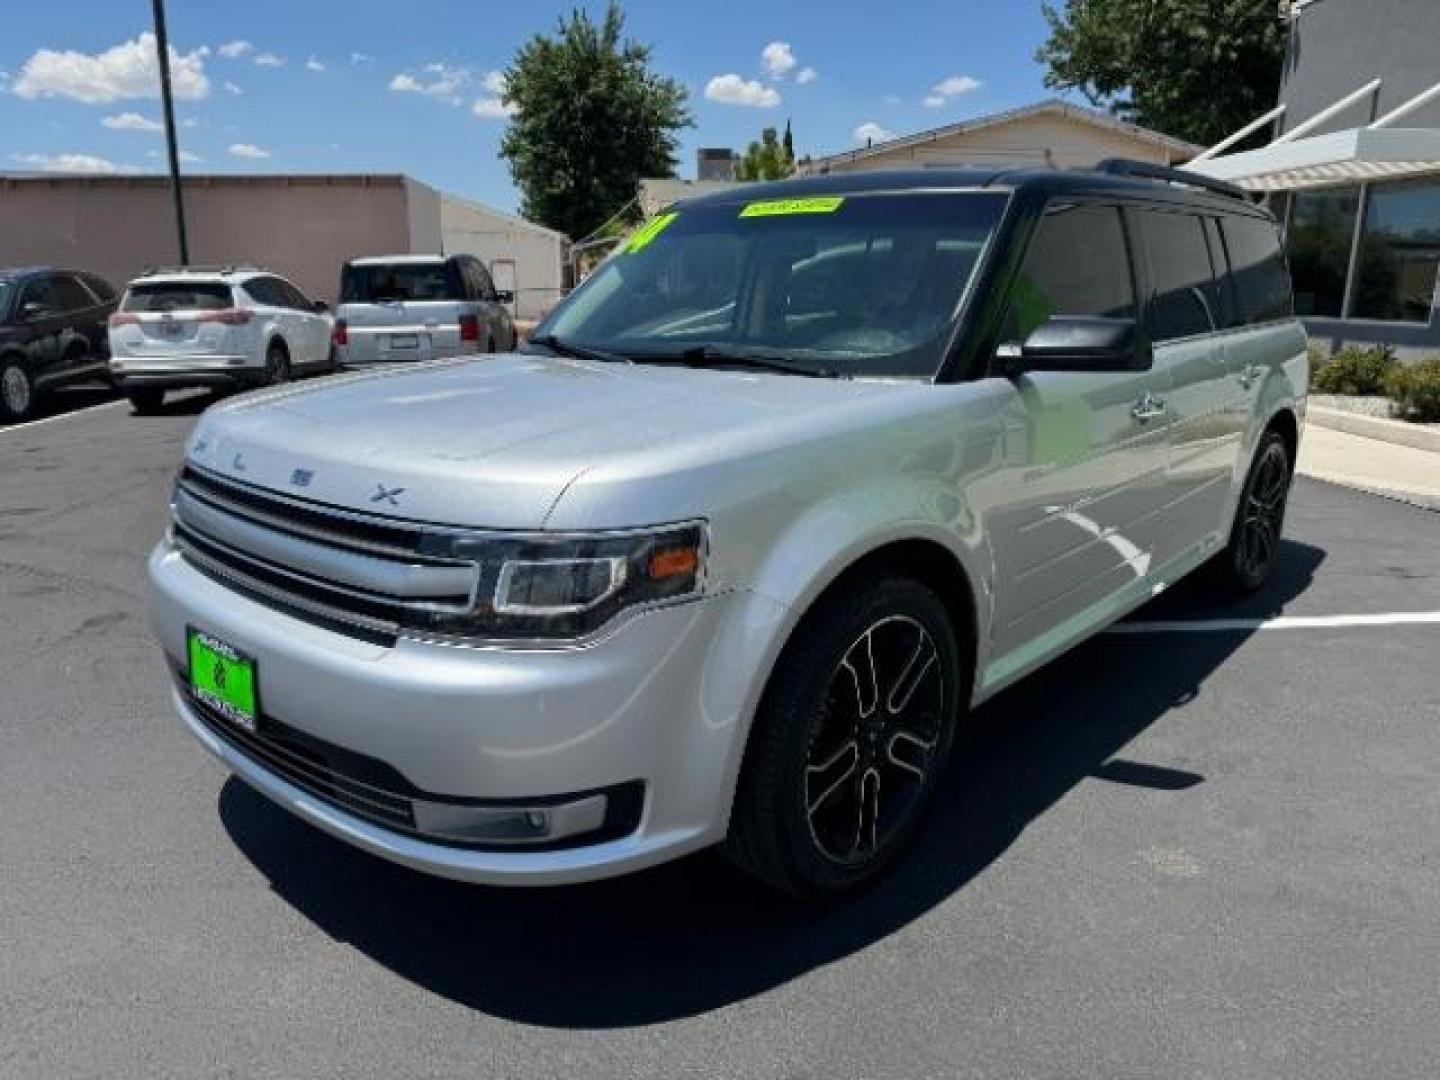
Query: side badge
[{"x": 302, "y": 477}]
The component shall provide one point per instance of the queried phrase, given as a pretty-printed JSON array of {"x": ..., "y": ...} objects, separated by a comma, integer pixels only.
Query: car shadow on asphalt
[{"x": 694, "y": 935}]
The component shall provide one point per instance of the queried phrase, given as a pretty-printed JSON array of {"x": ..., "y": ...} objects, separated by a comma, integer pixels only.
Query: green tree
[
  {"x": 1194, "y": 69},
  {"x": 590, "y": 120},
  {"x": 768, "y": 159}
]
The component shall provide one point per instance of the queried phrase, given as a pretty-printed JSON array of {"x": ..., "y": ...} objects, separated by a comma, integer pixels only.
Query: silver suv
[
  {"x": 729, "y": 551},
  {"x": 406, "y": 308}
]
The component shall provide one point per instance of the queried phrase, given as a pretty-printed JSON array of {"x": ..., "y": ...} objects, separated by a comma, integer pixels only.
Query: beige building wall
[
  {"x": 301, "y": 227},
  {"x": 521, "y": 255},
  {"x": 1038, "y": 141}
]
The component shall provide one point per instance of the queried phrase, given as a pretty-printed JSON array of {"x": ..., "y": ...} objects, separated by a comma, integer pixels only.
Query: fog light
[{"x": 510, "y": 824}]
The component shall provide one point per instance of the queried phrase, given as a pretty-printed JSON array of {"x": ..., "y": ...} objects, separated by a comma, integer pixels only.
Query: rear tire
[
  {"x": 17, "y": 391},
  {"x": 277, "y": 365},
  {"x": 850, "y": 739},
  {"x": 1247, "y": 561},
  {"x": 145, "y": 401}
]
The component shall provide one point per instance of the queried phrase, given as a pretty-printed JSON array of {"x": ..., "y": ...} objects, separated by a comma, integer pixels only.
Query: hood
[{"x": 494, "y": 442}]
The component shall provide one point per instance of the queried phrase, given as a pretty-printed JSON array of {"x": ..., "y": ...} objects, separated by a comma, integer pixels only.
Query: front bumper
[{"x": 646, "y": 707}]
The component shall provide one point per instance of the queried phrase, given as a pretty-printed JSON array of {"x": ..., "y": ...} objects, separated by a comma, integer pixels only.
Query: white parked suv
[
  {"x": 729, "y": 551},
  {"x": 229, "y": 326}
]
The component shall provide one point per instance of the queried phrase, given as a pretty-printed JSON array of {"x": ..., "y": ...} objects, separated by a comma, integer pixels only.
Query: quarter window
[
  {"x": 1262, "y": 280},
  {"x": 71, "y": 295},
  {"x": 1078, "y": 264},
  {"x": 1184, "y": 284}
]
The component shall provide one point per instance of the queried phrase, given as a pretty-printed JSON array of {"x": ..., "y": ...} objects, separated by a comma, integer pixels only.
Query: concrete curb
[{"x": 1399, "y": 432}]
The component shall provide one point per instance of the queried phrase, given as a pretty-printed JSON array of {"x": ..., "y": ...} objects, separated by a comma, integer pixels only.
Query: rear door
[
  {"x": 401, "y": 311},
  {"x": 1076, "y": 508},
  {"x": 39, "y": 312},
  {"x": 175, "y": 319},
  {"x": 82, "y": 339},
  {"x": 1183, "y": 320}
]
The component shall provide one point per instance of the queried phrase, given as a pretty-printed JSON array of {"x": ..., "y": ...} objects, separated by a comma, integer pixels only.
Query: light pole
[{"x": 162, "y": 45}]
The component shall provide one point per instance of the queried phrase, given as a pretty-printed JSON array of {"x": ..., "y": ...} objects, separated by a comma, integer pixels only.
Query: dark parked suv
[{"x": 53, "y": 330}]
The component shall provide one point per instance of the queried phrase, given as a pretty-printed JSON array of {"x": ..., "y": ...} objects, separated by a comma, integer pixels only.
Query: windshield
[
  {"x": 374, "y": 282},
  {"x": 177, "y": 296},
  {"x": 854, "y": 285}
]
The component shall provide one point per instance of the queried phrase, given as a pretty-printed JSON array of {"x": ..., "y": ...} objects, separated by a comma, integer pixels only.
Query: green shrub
[
  {"x": 1415, "y": 389},
  {"x": 1355, "y": 372}
]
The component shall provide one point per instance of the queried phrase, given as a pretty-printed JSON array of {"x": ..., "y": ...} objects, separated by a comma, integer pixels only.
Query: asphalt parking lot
[{"x": 1187, "y": 850}]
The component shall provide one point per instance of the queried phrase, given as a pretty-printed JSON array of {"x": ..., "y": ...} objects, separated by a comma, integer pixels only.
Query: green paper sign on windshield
[
  {"x": 644, "y": 235},
  {"x": 818, "y": 204}
]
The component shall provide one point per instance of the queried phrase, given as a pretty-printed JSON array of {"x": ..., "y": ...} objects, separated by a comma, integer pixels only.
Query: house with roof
[{"x": 1048, "y": 134}]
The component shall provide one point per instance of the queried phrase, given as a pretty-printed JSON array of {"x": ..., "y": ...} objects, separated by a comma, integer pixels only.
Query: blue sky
[{"x": 326, "y": 85}]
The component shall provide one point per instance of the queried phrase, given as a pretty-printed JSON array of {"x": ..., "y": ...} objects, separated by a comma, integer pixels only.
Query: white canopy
[{"x": 1341, "y": 157}]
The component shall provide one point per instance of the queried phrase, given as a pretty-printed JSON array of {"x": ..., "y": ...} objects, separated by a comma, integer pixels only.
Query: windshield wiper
[
  {"x": 576, "y": 352},
  {"x": 700, "y": 356}
]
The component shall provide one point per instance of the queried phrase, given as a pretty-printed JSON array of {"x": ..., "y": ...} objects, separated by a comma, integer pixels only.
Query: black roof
[
  {"x": 1041, "y": 182},
  {"x": 10, "y": 273}
]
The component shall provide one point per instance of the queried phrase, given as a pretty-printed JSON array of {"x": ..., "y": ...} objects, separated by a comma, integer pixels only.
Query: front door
[{"x": 1074, "y": 509}]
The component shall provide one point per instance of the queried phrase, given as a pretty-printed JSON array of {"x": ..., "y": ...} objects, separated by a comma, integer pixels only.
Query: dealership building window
[{"x": 1368, "y": 252}]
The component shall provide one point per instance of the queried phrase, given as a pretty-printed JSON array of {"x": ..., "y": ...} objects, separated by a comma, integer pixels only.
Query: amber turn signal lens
[{"x": 675, "y": 562}]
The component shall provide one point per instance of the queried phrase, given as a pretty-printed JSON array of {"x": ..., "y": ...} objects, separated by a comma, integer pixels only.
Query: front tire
[
  {"x": 17, "y": 391},
  {"x": 146, "y": 401},
  {"x": 1247, "y": 561},
  {"x": 854, "y": 730}
]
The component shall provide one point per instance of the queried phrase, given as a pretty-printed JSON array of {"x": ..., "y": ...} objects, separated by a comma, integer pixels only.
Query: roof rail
[
  {"x": 1144, "y": 170},
  {"x": 201, "y": 268}
]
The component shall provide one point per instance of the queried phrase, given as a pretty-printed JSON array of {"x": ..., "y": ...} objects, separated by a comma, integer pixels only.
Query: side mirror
[
  {"x": 34, "y": 309},
  {"x": 504, "y": 296},
  {"x": 1082, "y": 343},
  {"x": 320, "y": 307}
]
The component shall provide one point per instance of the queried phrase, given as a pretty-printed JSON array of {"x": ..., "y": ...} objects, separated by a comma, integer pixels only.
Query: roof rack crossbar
[
  {"x": 202, "y": 268},
  {"x": 1144, "y": 170}
]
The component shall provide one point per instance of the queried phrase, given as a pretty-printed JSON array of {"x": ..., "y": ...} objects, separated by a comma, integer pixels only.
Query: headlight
[{"x": 568, "y": 585}]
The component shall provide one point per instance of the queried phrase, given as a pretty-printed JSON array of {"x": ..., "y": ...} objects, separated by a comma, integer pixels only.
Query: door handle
[
  {"x": 1149, "y": 407},
  {"x": 1247, "y": 377}
]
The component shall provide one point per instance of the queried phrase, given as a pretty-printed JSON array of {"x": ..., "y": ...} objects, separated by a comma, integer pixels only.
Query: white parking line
[
  {"x": 1280, "y": 622},
  {"x": 61, "y": 416}
]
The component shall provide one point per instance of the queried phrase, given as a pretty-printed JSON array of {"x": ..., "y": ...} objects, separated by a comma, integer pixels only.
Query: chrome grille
[{"x": 341, "y": 570}]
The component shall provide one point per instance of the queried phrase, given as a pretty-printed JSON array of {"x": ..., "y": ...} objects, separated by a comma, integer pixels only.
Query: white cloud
[
  {"x": 778, "y": 59},
  {"x": 185, "y": 156},
  {"x": 268, "y": 59},
  {"x": 870, "y": 131},
  {"x": 807, "y": 75},
  {"x": 954, "y": 86},
  {"x": 130, "y": 70},
  {"x": 446, "y": 84},
  {"x": 233, "y": 88},
  {"x": 248, "y": 150},
  {"x": 132, "y": 121},
  {"x": 72, "y": 163},
  {"x": 492, "y": 108},
  {"x": 233, "y": 50},
  {"x": 933, "y": 101},
  {"x": 733, "y": 90},
  {"x": 315, "y": 64},
  {"x": 360, "y": 58},
  {"x": 494, "y": 82}
]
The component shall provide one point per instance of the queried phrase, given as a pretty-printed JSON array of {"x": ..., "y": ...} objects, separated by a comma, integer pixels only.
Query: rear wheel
[
  {"x": 17, "y": 391},
  {"x": 854, "y": 731},
  {"x": 145, "y": 400},
  {"x": 1249, "y": 558},
  {"x": 277, "y": 365}
]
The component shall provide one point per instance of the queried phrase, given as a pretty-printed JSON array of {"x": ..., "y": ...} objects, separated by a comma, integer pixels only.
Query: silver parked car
[
  {"x": 728, "y": 552},
  {"x": 406, "y": 308}
]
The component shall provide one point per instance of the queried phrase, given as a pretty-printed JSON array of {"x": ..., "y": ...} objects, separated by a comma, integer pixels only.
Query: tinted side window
[
  {"x": 1078, "y": 263},
  {"x": 40, "y": 291},
  {"x": 487, "y": 285},
  {"x": 265, "y": 291},
  {"x": 293, "y": 297},
  {"x": 71, "y": 295},
  {"x": 1184, "y": 288},
  {"x": 1262, "y": 280},
  {"x": 100, "y": 287},
  {"x": 1227, "y": 312}
]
